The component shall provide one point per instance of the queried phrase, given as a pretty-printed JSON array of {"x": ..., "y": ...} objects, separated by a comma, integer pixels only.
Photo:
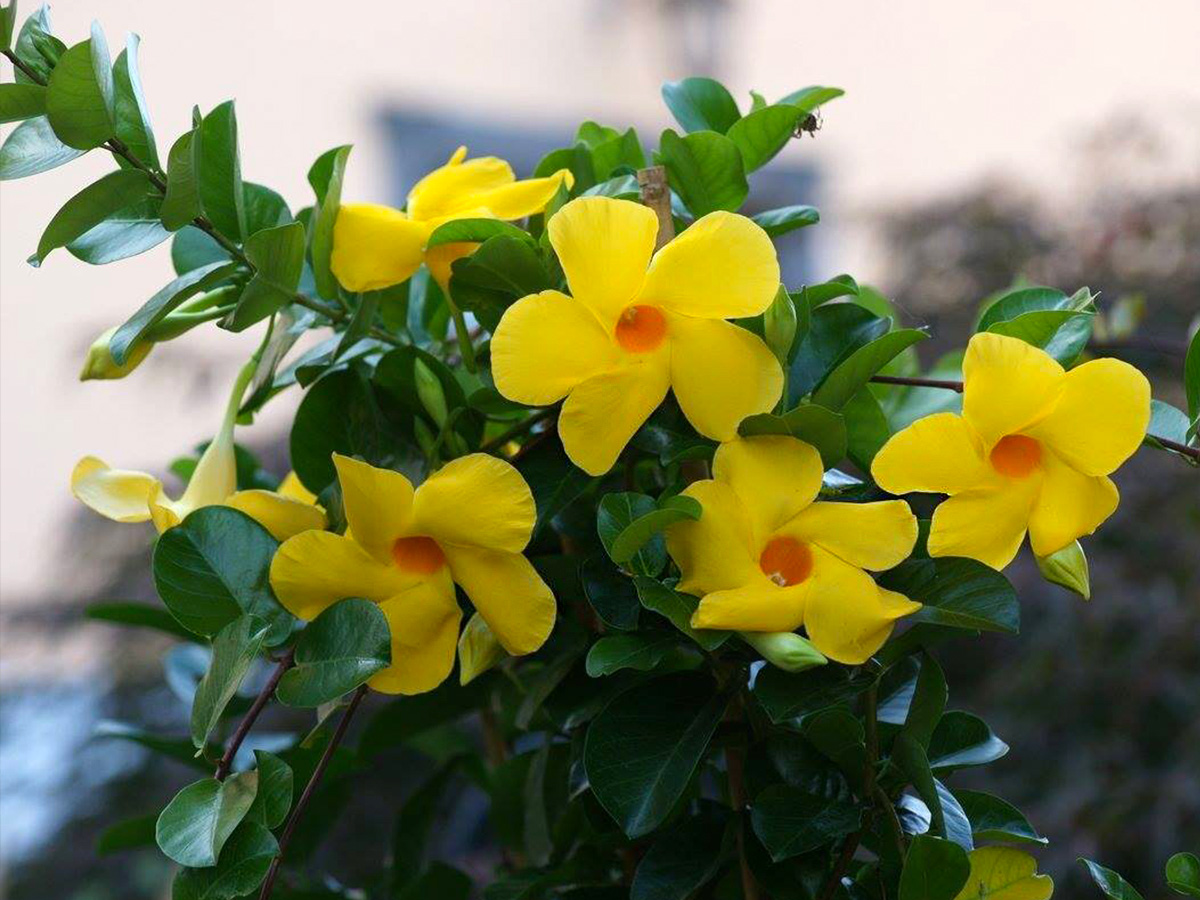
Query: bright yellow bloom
[
  {"x": 405, "y": 549},
  {"x": 1031, "y": 451},
  {"x": 375, "y": 246},
  {"x": 637, "y": 326},
  {"x": 128, "y": 496},
  {"x": 764, "y": 556}
]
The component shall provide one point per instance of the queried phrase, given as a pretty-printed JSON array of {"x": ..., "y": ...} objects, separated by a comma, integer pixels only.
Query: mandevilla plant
[{"x": 706, "y": 531}]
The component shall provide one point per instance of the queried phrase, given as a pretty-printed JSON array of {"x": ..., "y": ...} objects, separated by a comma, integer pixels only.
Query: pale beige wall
[{"x": 940, "y": 94}]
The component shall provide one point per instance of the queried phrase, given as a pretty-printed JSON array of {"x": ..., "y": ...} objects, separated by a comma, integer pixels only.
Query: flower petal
[
  {"x": 118, "y": 494},
  {"x": 1100, "y": 418},
  {"x": 440, "y": 258},
  {"x": 522, "y": 198},
  {"x": 378, "y": 504},
  {"x": 722, "y": 267},
  {"x": 423, "y": 621},
  {"x": 454, "y": 186},
  {"x": 848, "y": 617},
  {"x": 283, "y": 516},
  {"x": 1071, "y": 504},
  {"x": 508, "y": 592},
  {"x": 291, "y": 486},
  {"x": 986, "y": 524},
  {"x": 873, "y": 536},
  {"x": 774, "y": 476},
  {"x": 759, "y": 605},
  {"x": 315, "y": 569},
  {"x": 939, "y": 454},
  {"x": 475, "y": 501},
  {"x": 545, "y": 345},
  {"x": 716, "y": 551},
  {"x": 1008, "y": 385},
  {"x": 720, "y": 374},
  {"x": 604, "y": 246},
  {"x": 375, "y": 246},
  {"x": 602, "y": 413}
]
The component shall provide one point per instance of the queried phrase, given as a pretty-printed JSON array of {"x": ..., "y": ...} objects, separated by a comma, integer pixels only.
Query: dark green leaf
[
  {"x": 816, "y": 425},
  {"x": 928, "y": 702},
  {"x": 680, "y": 861},
  {"x": 554, "y": 480},
  {"x": 705, "y": 170},
  {"x": 415, "y": 821},
  {"x": 642, "y": 651},
  {"x": 8, "y": 15},
  {"x": 1191, "y": 375},
  {"x": 790, "y": 821},
  {"x": 130, "y": 834},
  {"x": 1043, "y": 317},
  {"x": 328, "y": 171},
  {"x": 677, "y": 608},
  {"x": 867, "y": 428},
  {"x": 79, "y": 97},
  {"x": 168, "y": 298},
  {"x": 35, "y": 33},
  {"x": 1110, "y": 882},
  {"x": 125, "y": 233},
  {"x": 763, "y": 133},
  {"x": 407, "y": 717},
  {"x": 787, "y": 218},
  {"x": 784, "y": 696},
  {"x": 195, "y": 825},
  {"x": 33, "y": 148},
  {"x": 994, "y": 819},
  {"x": 182, "y": 201},
  {"x": 234, "y": 649},
  {"x": 961, "y": 740},
  {"x": 21, "y": 101},
  {"x": 1183, "y": 874},
  {"x": 441, "y": 881},
  {"x": 278, "y": 257},
  {"x": 242, "y": 867},
  {"x": 273, "y": 799},
  {"x": 130, "y": 109},
  {"x": 835, "y": 331},
  {"x": 178, "y": 749},
  {"x": 138, "y": 614},
  {"x": 219, "y": 171},
  {"x": 852, "y": 373},
  {"x": 191, "y": 248},
  {"x": 958, "y": 592},
  {"x": 934, "y": 869},
  {"x": 339, "y": 650},
  {"x": 839, "y": 736},
  {"x": 700, "y": 104},
  {"x": 90, "y": 207},
  {"x": 611, "y": 593},
  {"x": 476, "y": 231},
  {"x": 502, "y": 270},
  {"x": 642, "y": 750}
]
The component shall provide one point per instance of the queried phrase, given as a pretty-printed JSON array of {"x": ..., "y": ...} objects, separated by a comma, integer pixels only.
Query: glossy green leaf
[
  {"x": 502, "y": 270},
  {"x": 816, "y": 425},
  {"x": 131, "y": 111},
  {"x": 790, "y": 821},
  {"x": 934, "y": 869},
  {"x": 79, "y": 97},
  {"x": 234, "y": 650},
  {"x": 867, "y": 428},
  {"x": 809, "y": 98},
  {"x": 1043, "y": 317},
  {"x": 928, "y": 702},
  {"x": 278, "y": 257},
  {"x": 700, "y": 104},
  {"x": 835, "y": 331},
  {"x": 705, "y": 170},
  {"x": 955, "y": 823},
  {"x": 243, "y": 865},
  {"x": 763, "y": 133},
  {"x": 339, "y": 650},
  {"x": 619, "y": 151},
  {"x": 1191, "y": 378},
  {"x": 642, "y": 651},
  {"x": 786, "y": 218},
  {"x": 785, "y": 696},
  {"x": 643, "y": 749},
  {"x": 839, "y": 736},
  {"x": 616, "y": 513},
  {"x": 962, "y": 740},
  {"x": 632, "y": 537},
  {"x": 21, "y": 101},
  {"x": 182, "y": 202},
  {"x": 328, "y": 172},
  {"x": 1110, "y": 882},
  {"x": 681, "y": 860},
  {"x": 678, "y": 609},
  {"x": 958, "y": 592},
  {"x": 1183, "y": 874},
  {"x": 8, "y": 15},
  {"x": 853, "y": 373},
  {"x": 125, "y": 233},
  {"x": 168, "y": 298},
  {"x": 994, "y": 819},
  {"x": 33, "y": 148},
  {"x": 91, "y": 206},
  {"x": 195, "y": 825},
  {"x": 611, "y": 593},
  {"x": 273, "y": 799},
  {"x": 36, "y": 32},
  {"x": 219, "y": 171},
  {"x": 214, "y": 567},
  {"x": 1166, "y": 423},
  {"x": 179, "y": 749},
  {"x": 476, "y": 231}
]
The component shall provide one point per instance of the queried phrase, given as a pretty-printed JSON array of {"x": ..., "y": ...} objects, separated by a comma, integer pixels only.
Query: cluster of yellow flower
[{"x": 1031, "y": 451}]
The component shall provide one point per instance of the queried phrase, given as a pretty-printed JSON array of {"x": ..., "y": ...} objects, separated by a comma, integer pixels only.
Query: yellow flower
[
  {"x": 128, "y": 496},
  {"x": 375, "y": 246},
  {"x": 763, "y": 556},
  {"x": 405, "y": 549},
  {"x": 1031, "y": 451},
  {"x": 636, "y": 326}
]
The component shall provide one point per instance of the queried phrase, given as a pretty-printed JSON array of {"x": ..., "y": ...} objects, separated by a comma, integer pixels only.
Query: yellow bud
[
  {"x": 785, "y": 650},
  {"x": 99, "y": 363},
  {"x": 779, "y": 325},
  {"x": 478, "y": 650},
  {"x": 1067, "y": 568}
]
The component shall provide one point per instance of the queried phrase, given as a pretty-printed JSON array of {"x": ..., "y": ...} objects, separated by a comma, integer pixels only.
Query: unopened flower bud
[
  {"x": 779, "y": 325},
  {"x": 430, "y": 392},
  {"x": 426, "y": 439},
  {"x": 1067, "y": 568},
  {"x": 99, "y": 363},
  {"x": 478, "y": 650},
  {"x": 785, "y": 650}
]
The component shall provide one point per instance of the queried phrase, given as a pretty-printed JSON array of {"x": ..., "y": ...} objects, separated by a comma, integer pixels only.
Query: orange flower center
[
  {"x": 786, "y": 561},
  {"x": 641, "y": 329},
  {"x": 420, "y": 555},
  {"x": 1016, "y": 455}
]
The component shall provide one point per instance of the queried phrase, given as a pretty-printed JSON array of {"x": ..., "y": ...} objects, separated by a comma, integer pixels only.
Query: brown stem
[
  {"x": 735, "y": 767},
  {"x": 839, "y": 868},
  {"x": 243, "y": 729},
  {"x": 19, "y": 63},
  {"x": 309, "y": 789},
  {"x": 657, "y": 195},
  {"x": 919, "y": 382},
  {"x": 1193, "y": 452}
]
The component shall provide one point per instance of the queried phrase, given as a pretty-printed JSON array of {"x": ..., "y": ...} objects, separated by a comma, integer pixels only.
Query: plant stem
[
  {"x": 656, "y": 194},
  {"x": 735, "y": 767},
  {"x": 839, "y": 868},
  {"x": 462, "y": 335},
  {"x": 517, "y": 430},
  {"x": 1193, "y": 452},
  {"x": 18, "y": 63},
  {"x": 919, "y": 382},
  {"x": 248, "y": 720},
  {"x": 309, "y": 789}
]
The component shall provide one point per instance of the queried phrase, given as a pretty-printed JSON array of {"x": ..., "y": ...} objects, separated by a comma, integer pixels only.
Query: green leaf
[
  {"x": 79, "y": 96},
  {"x": 278, "y": 257},
  {"x": 359, "y": 327},
  {"x": 273, "y": 799},
  {"x": 178, "y": 749},
  {"x": 681, "y": 860},
  {"x": 934, "y": 869},
  {"x": 404, "y": 718},
  {"x": 1166, "y": 423},
  {"x": 867, "y": 428},
  {"x": 234, "y": 650},
  {"x": 90, "y": 207},
  {"x": 500, "y": 271},
  {"x": 195, "y": 825},
  {"x": 700, "y": 104},
  {"x": 913, "y": 761},
  {"x": 994, "y": 819},
  {"x": 219, "y": 171},
  {"x": 786, "y": 218},
  {"x": 243, "y": 865},
  {"x": 928, "y": 702},
  {"x": 954, "y": 818},
  {"x": 182, "y": 201},
  {"x": 21, "y": 101},
  {"x": 705, "y": 170},
  {"x": 476, "y": 231},
  {"x": 191, "y": 248},
  {"x": 332, "y": 162},
  {"x": 339, "y": 650},
  {"x": 139, "y": 615},
  {"x": 616, "y": 513},
  {"x": 642, "y": 651},
  {"x": 633, "y": 536},
  {"x": 620, "y": 151},
  {"x": 1183, "y": 874},
  {"x": 1191, "y": 375},
  {"x": 130, "y": 109},
  {"x": 784, "y": 696},
  {"x": 816, "y": 425},
  {"x": 33, "y": 148},
  {"x": 35, "y": 33},
  {"x": 611, "y": 593},
  {"x": 763, "y": 133},
  {"x": 125, "y": 233},
  {"x": 853, "y": 373},
  {"x": 959, "y": 592},
  {"x": 214, "y": 567},
  {"x": 677, "y": 608},
  {"x": 835, "y": 331},
  {"x": 962, "y": 740},
  {"x": 553, "y": 479},
  {"x": 809, "y": 98},
  {"x": 790, "y": 821},
  {"x": 642, "y": 750},
  {"x": 839, "y": 736},
  {"x": 1111, "y": 882},
  {"x": 130, "y": 834},
  {"x": 8, "y": 15},
  {"x": 1043, "y": 317},
  {"x": 163, "y": 302}
]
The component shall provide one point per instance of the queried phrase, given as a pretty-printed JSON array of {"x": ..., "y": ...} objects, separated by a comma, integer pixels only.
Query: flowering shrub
[{"x": 677, "y": 504}]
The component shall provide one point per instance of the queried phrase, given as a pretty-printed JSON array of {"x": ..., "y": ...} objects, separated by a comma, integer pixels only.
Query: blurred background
[{"x": 978, "y": 143}]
